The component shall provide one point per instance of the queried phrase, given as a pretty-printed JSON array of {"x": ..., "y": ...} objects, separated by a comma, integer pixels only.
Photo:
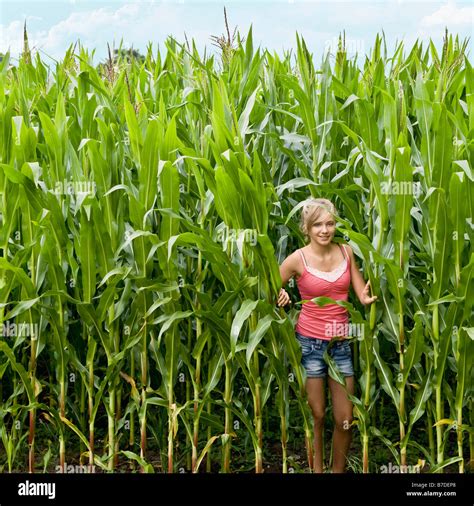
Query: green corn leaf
[
  {"x": 242, "y": 315},
  {"x": 385, "y": 376},
  {"x": 257, "y": 335}
]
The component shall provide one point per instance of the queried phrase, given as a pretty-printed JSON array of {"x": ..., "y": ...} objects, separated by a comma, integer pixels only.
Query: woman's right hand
[{"x": 283, "y": 298}]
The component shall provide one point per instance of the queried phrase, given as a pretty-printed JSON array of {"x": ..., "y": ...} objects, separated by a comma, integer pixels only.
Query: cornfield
[{"x": 145, "y": 209}]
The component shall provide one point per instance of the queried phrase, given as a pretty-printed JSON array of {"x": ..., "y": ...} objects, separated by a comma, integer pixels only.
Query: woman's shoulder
[
  {"x": 348, "y": 251},
  {"x": 298, "y": 251},
  {"x": 346, "y": 247},
  {"x": 294, "y": 260},
  {"x": 295, "y": 257}
]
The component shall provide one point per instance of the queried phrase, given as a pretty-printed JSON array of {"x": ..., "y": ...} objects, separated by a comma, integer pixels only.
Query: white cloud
[
  {"x": 11, "y": 37},
  {"x": 449, "y": 15},
  {"x": 134, "y": 22}
]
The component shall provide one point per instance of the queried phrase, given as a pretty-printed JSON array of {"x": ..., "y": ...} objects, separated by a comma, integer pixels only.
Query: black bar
[{"x": 239, "y": 489}]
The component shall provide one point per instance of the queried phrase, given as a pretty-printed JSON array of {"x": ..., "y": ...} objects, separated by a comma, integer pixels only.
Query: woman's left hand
[
  {"x": 365, "y": 297},
  {"x": 283, "y": 298}
]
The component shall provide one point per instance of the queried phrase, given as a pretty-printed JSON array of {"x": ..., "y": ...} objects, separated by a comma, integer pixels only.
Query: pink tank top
[{"x": 324, "y": 322}]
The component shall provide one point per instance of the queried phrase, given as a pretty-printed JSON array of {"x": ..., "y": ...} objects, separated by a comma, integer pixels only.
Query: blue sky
[{"x": 53, "y": 25}]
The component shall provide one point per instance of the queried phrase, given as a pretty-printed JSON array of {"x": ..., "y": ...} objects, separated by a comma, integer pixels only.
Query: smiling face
[
  {"x": 318, "y": 221},
  {"x": 323, "y": 229}
]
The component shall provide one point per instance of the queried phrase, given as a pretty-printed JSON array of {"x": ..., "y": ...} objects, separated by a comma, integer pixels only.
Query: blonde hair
[{"x": 311, "y": 211}]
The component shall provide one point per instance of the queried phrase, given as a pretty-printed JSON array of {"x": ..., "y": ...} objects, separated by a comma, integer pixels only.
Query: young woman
[{"x": 324, "y": 268}]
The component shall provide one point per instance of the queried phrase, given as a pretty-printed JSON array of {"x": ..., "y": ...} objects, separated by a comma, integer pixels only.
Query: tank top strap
[
  {"x": 303, "y": 258},
  {"x": 343, "y": 247}
]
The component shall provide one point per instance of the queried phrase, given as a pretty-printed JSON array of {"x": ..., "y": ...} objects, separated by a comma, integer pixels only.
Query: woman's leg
[
  {"x": 317, "y": 402},
  {"x": 342, "y": 411}
]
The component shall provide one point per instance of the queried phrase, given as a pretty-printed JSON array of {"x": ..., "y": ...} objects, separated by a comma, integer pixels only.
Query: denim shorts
[{"x": 312, "y": 350}]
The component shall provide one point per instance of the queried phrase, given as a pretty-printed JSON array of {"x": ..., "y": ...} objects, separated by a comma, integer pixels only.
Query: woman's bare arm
[
  {"x": 287, "y": 271},
  {"x": 288, "y": 268}
]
